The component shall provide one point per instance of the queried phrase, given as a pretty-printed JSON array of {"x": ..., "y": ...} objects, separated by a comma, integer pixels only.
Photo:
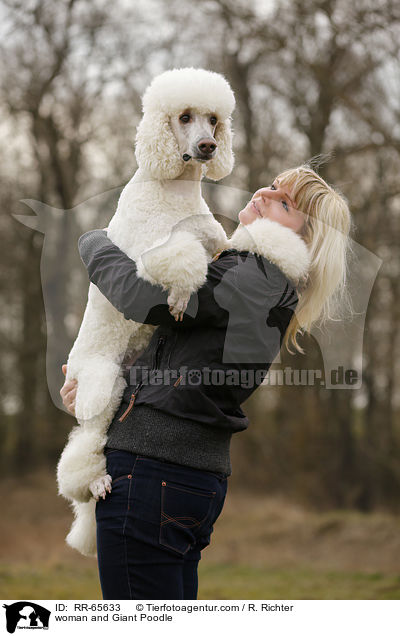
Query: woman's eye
[
  {"x": 213, "y": 120},
  {"x": 285, "y": 205},
  {"x": 184, "y": 118}
]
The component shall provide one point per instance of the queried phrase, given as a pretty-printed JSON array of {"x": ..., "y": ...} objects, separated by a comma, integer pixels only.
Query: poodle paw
[
  {"x": 177, "y": 302},
  {"x": 99, "y": 486}
]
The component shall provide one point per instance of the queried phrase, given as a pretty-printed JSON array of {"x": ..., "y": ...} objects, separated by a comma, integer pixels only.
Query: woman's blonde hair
[{"x": 323, "y": 295}]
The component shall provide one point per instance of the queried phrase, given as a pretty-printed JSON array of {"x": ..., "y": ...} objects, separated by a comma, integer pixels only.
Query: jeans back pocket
[{"x": 185, "y": 511}]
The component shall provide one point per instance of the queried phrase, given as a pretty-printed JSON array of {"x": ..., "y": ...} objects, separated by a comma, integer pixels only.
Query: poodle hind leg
[
  {"x": 82, "y": 535},
  {"x": 99, "y": 391},
  {"x": 82, "y": 460}
]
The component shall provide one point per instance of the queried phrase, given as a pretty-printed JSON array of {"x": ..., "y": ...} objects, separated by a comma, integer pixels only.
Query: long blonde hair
[{"x": 323, "y": 295}]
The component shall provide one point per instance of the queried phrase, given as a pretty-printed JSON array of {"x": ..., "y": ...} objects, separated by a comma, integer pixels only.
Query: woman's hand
[{"x": 68, "y": 392}]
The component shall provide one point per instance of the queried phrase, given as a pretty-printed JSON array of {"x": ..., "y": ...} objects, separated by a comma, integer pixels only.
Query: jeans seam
[
  {"x": 192, "y": 491},
  {"x": 195, "y": 523},
  {"x": 114, "y": 481},
  {"x": 123, "y": 530},
  {"x": 176, "y": 549}
]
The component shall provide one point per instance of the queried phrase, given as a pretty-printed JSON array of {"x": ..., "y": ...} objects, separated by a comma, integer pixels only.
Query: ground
[{"x": 261, "y": 548}]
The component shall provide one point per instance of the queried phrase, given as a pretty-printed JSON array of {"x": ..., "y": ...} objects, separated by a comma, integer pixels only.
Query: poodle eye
[
  {"x": 185, "y": 118},
  {"x": 213, "y": 120},
  {"x": 272, "y": 187}
]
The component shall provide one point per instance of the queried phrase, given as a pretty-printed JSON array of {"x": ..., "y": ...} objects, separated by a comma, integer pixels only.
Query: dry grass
[
  {"x": 259, "y": 543},
  {"x": 277, "y": 533}
]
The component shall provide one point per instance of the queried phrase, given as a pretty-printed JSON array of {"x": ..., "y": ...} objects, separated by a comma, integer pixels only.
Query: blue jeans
[{"x": 153, "y": 525}]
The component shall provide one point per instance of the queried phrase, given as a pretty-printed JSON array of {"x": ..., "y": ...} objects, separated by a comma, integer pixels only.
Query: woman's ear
[
  {"x": 156, "y": 147},
  {"x": 222, "y": 165}
]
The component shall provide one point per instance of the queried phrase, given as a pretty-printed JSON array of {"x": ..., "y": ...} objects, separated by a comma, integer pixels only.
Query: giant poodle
[{"x": 164, "y": 224}]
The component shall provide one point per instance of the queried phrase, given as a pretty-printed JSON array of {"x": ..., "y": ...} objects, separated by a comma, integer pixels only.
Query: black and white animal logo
[{"x": 25, "y": 615}]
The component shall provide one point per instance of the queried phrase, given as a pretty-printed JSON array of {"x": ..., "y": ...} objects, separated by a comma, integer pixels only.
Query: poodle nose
[{"x": 206, "y": 146}]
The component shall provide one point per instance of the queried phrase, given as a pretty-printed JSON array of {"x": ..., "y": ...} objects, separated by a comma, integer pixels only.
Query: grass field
[
  {"x": 261, "y": 548},
  {"x": 217, "y": 581}
]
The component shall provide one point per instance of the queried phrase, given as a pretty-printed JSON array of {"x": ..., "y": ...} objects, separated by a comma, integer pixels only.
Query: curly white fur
[
  {"x": 279, "y": 244},
  {"x": 150, "y": 226}
]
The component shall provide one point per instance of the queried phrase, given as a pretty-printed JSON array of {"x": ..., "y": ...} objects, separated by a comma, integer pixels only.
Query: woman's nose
[
  {"x": 257, "y": 193},
  {"x": 264, "y": 193}
]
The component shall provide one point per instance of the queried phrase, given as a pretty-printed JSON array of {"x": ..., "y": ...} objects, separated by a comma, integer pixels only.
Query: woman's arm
[{"x": 115, "y": 274}]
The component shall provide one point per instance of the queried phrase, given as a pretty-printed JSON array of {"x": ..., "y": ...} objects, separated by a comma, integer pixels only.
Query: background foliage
[{"x": 310, "y": 77}]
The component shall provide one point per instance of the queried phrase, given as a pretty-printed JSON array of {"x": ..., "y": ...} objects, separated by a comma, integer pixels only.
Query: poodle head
[{"x": 171, "y": 94}]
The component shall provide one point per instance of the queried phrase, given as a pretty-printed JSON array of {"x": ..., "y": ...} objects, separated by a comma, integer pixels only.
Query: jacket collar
[{"x": 277, "y": 243}]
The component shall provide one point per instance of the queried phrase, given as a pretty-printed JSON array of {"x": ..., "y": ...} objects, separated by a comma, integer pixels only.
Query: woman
[{"x": 168, "y": 445}]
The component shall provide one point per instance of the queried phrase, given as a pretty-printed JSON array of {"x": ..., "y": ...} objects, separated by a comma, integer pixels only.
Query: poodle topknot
[
  {"x": 173, "y": 91},
  {"x": 181, "y": 88}
]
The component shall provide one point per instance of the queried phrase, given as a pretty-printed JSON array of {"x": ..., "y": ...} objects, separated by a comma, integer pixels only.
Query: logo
[{"x": 26, "y": 615}]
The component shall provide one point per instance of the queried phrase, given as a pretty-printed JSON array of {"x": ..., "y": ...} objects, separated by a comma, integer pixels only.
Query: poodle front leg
[
  {"x": 179, "y": 265},
  {"x": 177, "y": 303}
]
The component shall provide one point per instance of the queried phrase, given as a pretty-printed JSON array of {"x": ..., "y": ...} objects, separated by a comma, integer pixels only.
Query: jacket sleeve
[
  {"x": 116, "y": 276},
  {"x": 243, "y": 293},
  {"x": 260, "y": 310}
]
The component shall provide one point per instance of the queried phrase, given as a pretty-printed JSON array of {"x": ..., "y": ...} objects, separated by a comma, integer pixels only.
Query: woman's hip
[{"x": 170, "y": 505}]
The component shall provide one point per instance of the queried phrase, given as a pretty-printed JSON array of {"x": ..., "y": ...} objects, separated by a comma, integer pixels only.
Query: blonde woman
[{"x": 168, "y": 445}]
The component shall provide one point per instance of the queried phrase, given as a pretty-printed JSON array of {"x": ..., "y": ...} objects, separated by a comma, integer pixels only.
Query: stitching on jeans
[
  {"x": 176, "y": 549},
  {"x": 126, "y": 567},
  {"x": 168, "y": 519},
  {"x": 192, "y": 491},
  {"x": 123, "y": 531},
  {"x": 121, "y": 477}
]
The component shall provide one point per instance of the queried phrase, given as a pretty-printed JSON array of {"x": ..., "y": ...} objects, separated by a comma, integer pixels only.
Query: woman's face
[{"x": 276, "y": 204}]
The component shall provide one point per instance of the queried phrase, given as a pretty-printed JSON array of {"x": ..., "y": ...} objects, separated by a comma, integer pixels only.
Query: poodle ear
[
  {"x": 222, "y": 165},
  {"x": 156, "y": 147}
]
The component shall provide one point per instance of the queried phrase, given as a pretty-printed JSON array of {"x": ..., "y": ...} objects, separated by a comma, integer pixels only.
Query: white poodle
[{"x": 164, "y": 224}]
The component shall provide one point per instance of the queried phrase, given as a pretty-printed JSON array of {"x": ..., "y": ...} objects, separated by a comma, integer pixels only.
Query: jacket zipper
[
  {"x": 171, "y": 349},
  {"x": 131, "y": 402},
  {"x": 161, "y": 341}
]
